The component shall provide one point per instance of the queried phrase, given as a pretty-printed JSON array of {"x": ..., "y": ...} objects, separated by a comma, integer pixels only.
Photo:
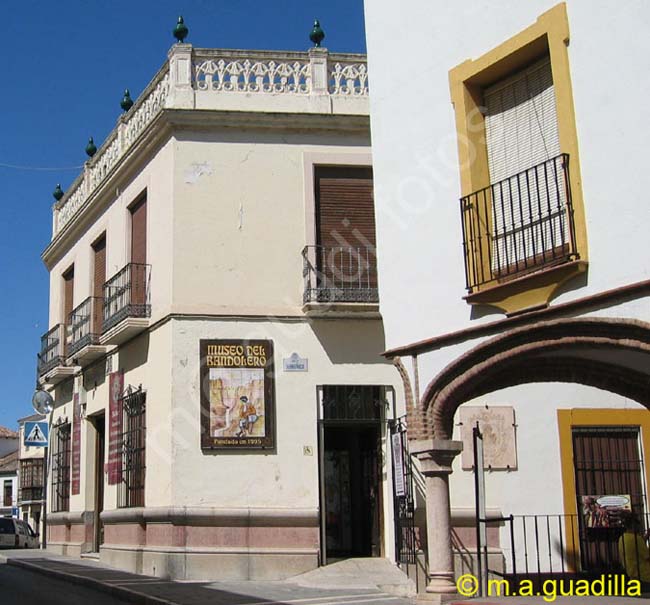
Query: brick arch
[{"x": 562, "y": 350}]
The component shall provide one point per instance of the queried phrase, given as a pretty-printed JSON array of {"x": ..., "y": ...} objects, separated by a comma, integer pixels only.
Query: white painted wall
[
  {"x": 417, "y": 185},
  {"x": 417, "y": 188},
  {"x": 156, "y": 178}
]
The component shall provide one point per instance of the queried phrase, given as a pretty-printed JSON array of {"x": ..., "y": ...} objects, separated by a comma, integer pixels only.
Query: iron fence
[
  {"x": 53, "y": 349},
  {"x": 340, "y": 274},
  {"x": 520, "y": 224},
  {"x": 127, "y": 294},
  {"x": 85, "y": 324},
  {"x": 541, "y": 547}
]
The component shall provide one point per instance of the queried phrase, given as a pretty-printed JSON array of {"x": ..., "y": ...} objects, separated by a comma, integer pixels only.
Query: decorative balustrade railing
[
  {"x": 340, "y": 274},
  {"x": 127, "y": 294},
  {"x": 85, "y": 324},
  {"x": 53, "y": 349},
  {"x": 191, "y": 71},
  {"x": 519, "y": 225}
]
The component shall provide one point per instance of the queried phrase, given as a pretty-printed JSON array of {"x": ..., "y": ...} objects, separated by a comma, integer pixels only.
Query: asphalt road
[{"x": 22, "y": 587}]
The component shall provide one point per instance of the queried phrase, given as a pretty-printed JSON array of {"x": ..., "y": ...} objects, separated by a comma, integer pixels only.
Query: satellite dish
[{"x": 42, "y": 402}]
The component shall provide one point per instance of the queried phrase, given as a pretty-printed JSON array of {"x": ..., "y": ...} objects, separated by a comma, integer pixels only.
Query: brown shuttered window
[
  {"x": 99, "y": 278},
  {"x": 345, "y": 211},
  {"x": 345, "y": 227},
  {"x": 137, "y": 275},
  {"x": 68, "y": 298},
  {"x": 139, "y": 231}
]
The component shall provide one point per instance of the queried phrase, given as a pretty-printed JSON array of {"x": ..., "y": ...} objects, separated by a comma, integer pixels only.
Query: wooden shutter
[
  {"x": 99, "y": 278},
  {"x": 344, "y": 205},
  {"x": 137, "y": 277},
  {"x": 68, "y": 293},
  {"x": 139, "y": 231},
  {"x": 345, "y": 227},
  {"x": 607, "y": 462}
]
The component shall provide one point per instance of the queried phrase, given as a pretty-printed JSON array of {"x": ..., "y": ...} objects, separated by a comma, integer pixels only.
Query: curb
[{"x": 124, "y": 594}]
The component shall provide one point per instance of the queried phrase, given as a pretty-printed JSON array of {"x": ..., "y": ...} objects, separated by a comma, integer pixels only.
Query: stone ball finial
[
  {"x": 126, "y": 103},
  {"x": 317, "y": 35},
  {"x": 58, "y": 192},
  {"x": 91, "y": 148},
  {"x": 180, "y": 31}
]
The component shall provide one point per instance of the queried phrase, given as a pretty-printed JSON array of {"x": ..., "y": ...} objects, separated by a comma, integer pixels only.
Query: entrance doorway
[
  {"x": 99, "y": 422},
  {"x": 350, "y": 432},
  {"x": 608, "y": 466}
]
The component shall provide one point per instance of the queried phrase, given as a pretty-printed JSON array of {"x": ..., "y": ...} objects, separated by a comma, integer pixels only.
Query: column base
[{"x": 441, "y": 585}]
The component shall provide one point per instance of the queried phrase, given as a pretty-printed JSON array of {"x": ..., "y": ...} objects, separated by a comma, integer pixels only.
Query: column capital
[{"x": 436, "y": 455}]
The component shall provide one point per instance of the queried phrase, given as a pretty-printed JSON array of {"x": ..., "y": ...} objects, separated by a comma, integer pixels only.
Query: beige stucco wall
[
  {"x": 340, "y": 352},
  {"x": 156, "y": 178},
  {"x": 242, "y": 217}
]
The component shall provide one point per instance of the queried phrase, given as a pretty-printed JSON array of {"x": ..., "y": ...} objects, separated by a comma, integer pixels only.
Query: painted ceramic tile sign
[{"x": 237, "y": 394}]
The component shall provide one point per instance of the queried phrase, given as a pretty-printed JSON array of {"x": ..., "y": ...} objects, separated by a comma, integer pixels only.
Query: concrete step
[{"x": 361, "y": 573}]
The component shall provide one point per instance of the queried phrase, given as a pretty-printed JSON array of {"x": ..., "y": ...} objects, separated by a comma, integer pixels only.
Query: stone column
[{"x": 436, "y": 457}]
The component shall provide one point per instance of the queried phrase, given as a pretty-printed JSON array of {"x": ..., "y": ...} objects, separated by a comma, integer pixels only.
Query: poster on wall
[
  {"x": 237, "y": 396},
  {"x": 114, "y": 465},
  {"x": 605, "y": 511}
]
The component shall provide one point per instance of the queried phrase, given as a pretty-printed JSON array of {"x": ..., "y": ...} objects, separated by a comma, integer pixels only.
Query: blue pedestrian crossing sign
[{"x": 36, "y": 434}]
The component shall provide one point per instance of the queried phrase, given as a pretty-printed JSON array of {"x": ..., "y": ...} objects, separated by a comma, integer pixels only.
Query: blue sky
[{"x": 64, "y": 67}]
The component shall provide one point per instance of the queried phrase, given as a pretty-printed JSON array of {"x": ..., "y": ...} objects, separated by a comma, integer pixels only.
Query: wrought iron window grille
[
  {"x": 61, "y": 468},
  {"x": 133, "y": 447}
]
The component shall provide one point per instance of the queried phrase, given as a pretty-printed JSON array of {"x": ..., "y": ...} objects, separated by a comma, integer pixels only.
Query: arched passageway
[{"x": 612, "y": 354}]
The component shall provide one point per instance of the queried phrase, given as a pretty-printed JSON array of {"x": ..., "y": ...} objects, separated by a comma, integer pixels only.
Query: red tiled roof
[
  {"x": 9, "y": 462},
  {"x": 6, "y": 433}
]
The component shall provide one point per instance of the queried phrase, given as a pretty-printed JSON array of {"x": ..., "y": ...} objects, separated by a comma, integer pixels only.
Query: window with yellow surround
[{"x": 522, "y": 211}]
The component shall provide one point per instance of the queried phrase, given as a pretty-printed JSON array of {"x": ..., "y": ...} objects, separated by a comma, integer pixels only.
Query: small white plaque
[{"x": 295, "y": 363}]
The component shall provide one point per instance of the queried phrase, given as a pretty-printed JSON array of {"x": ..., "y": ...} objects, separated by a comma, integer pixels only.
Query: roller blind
[
  {"x": 529, "y": 208},
  {"x": 521, "y": 122}
]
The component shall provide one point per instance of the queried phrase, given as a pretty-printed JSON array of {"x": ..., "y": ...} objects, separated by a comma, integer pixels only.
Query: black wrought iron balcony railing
[
  {"x": 127, "y": 294},
  {"x": 53, "y": 349},
  {"x": 340, "y": 274},
  {"x": 519, "y": 225},
  {"x": 85, "y": 324}
]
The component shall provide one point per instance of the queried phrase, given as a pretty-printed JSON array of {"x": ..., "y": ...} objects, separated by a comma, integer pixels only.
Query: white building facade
[
  {"x": 510, "y": 178},
  {"x": 215, "y": 342}
]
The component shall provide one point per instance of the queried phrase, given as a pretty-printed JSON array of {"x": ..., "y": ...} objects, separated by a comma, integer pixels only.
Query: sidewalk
[
  {"x": 320, "y": 587},
  {"x": 146, "y": 590}
]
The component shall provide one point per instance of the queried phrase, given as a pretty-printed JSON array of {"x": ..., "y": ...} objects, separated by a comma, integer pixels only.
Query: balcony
[
  {"x": 518, "y": 228},
  {"x": 31, "y": 480},
  {"x": 84, "y": 331},
  {"x": 127, "y": 306},
  {"x": 52, "y": 367},
  {"x": 340, "y": 280}
]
